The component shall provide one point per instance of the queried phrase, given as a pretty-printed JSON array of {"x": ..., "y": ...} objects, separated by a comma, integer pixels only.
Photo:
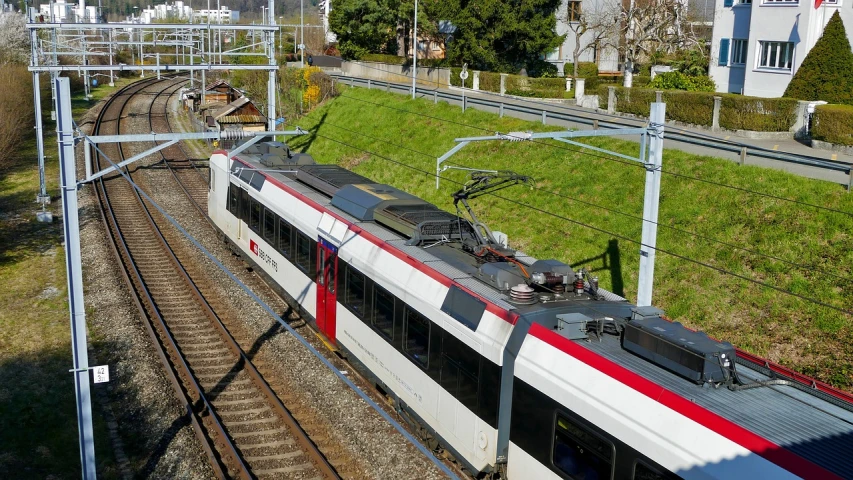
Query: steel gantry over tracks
[
  {"x": 198, "y": 48},
  {"x": 651, "y": 156}
]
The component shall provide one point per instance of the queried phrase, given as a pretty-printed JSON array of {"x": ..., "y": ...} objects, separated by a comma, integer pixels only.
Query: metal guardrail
[{"x": 576, "y": 115}]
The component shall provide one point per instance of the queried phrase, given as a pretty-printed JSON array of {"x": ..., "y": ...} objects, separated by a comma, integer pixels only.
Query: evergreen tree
[
  {"x": 827, "y": 71},
  {"x": 501, "y": 35},
  {"x": 365, "y": 26}
]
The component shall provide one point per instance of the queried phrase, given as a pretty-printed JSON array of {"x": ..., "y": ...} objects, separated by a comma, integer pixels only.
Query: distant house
[
  {"x": 758, "y": 45},
  {"x": 241, "y": 114},
  {"x": 220, "y": 93}
]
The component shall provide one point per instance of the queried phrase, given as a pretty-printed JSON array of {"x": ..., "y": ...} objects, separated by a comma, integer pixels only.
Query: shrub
[
  {"x": 760, "y": 114},
  {"x": 541, "y": 69},
  {"x": 16, "y": 109},
  {"x": 636, "y": 101},
  {"x": 585, "y": 69},
  {"x": 641, "y": 81},
  {"x": 696, "y": 108},
  {"x": 679, "y": 81},
  {"x": 833, "y": 123},
  {"x": 827, "y": 70},
  {"x": 383, "y": 58},
  {"x": 490, "y": 82},
  {"x": 689, "y": 107}
]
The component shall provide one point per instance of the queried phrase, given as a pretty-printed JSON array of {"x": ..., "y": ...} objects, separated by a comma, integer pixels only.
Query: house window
[
  {"x": 739, "y": 51},
  {"x": 573, "y": 11},
  {"x": 745, "y": 2},
  {"x": 777, "y": 2},
  {"x": 776, "y": 55}
]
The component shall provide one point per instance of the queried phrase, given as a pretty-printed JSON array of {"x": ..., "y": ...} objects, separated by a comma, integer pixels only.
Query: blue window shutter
[
  {"x": 728, "y": 3},
  {"x": 724, "y": 52}
]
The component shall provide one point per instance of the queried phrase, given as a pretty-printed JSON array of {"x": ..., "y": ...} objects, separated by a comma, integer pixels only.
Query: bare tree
[
  {"x": 648, "y": 26},
  {"x": 14, "y": 39},
  {"x": 593, "y": 28}
]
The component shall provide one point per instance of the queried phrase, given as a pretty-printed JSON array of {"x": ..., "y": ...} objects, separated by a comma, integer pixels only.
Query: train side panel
[{"x": 555, "y": 388}]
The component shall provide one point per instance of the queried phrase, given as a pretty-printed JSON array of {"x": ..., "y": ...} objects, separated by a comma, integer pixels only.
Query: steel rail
[
  {"x": 222, "y": 441},
  {"x": 302, "y": 438},
  {"x": 132, "y": 278}
]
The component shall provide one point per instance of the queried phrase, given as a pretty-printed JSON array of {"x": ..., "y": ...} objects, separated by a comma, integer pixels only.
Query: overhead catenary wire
[
  {"x": 598, "y": 229},
  {"x": 611, "y": 159},
  {"x": 615, "y": 211}
]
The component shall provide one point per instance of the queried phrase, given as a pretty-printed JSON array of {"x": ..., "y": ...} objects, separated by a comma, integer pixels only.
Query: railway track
[{"x": 244, "y": 428}]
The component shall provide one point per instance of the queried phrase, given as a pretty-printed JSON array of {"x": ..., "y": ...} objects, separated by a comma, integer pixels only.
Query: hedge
[
  {"x": 738, "y": 112},
  {"x": 636, "y": 101},
  {"x": 384, "y": 58},
  {"x": 695, "y": 108},
  {"x": 515, "y": 84},
  {"x": 833, "y": 124},
  {"x": 585, "y": 69}
]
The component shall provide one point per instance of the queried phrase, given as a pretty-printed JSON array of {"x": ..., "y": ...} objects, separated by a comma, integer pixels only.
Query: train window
[
  {"x": 578, "y": 452},
  {"x": 233, "y": 199},
  {"x": 354, "y": 295},
  {"x": 332, "y": 283},
  {"x": 244, "y": 206},
  {"x": 459, "y": 369},
  {"x": 284, "y": 239},
  {"x": 382, "y": 314},
  {"x": 254, "y": 215},
  {"x": 645, "y": 472},
  {"x": 303, "y": 254},
  {"x": 416, "y": 331},
  {"x": 269, "y": 225}
]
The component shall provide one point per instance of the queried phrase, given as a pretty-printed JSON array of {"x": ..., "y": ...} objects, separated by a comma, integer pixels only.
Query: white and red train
[{"x": 522, "y": 368}]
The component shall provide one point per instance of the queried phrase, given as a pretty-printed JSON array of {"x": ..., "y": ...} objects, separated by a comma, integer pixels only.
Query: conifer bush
[{"x": 827, "y": 71}]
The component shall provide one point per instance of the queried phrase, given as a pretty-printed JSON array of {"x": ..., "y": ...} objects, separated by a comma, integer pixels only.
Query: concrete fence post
[
  {"x": 435, "y": 96},
  {"x": 544, "y": 117},
  {"x": 368, "y": 84},
  {"x": 579, "y": 87},
  {"x": 658, "y": 95},
  {"x": 611, "y": 99},
  {"x": 476, "y": 80},
  {"x": 801, "y": 122},
  {"x": 568, "y": 84},
  {"x": 743, "y": 155},
  {"x": 502, "y": 110},
  {"x": 715, "y": 121},
  {"x": 503, "y": 84}
]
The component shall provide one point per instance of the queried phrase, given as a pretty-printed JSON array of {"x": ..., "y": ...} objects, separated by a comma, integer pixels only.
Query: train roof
[{"x": 814, "y": 421}]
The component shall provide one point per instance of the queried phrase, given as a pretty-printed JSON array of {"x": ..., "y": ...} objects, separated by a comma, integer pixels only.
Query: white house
[
  {"x": 568, "y": 16},
  {"x": 61, "y": 11},
  {"x": 759, "y": 58}
]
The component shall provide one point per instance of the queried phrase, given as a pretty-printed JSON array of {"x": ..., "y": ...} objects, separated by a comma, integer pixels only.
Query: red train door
[{"x": 327, "y": 266}]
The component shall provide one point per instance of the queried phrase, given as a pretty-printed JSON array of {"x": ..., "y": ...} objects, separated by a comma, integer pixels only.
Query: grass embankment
[
  {"x": 786, "y": 329},
  {"x": 38, "y": 417}
]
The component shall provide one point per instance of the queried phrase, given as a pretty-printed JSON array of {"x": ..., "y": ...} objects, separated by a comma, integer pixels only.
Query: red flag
[{"x": 817, "y": 3}]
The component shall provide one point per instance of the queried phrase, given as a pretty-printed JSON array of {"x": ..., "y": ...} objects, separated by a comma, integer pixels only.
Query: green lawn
[
  {"x": 38, "y": 419},
  {"x": 761, "y": 320}
]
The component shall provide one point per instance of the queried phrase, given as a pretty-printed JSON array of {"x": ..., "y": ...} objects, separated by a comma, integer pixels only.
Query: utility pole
[
  {"x": 71, "y": 224},
  {"x": 651, "y": 202},
  {"x": 415, "y": 54},
  {"x": 302, "y": 32}
]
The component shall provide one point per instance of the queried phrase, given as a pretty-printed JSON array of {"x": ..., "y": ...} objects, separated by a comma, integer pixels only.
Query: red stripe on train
[
  {"x": 759, "y": 445},
  {"x": 503, "y": 314}
]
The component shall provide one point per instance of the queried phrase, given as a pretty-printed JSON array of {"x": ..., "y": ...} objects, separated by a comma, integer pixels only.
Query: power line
[
  {"x": 618, "y": 212},
  {"x": 597, "y": 229},
  {"x": 611, "y": 159}
]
